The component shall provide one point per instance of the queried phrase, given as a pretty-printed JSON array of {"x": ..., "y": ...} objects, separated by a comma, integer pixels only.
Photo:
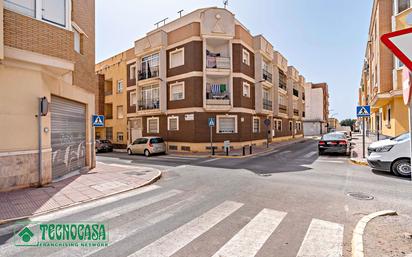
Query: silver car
[{"x": 147, "y": 146}]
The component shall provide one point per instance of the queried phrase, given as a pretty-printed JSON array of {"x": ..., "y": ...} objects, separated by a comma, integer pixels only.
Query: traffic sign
[
  {"x": 399, "y": 42},
  {"x": 363, "y": 111},
  {"x": 406, "y": 85},
  {"x": 98, "y": 120},
  {"x": 266, "y": 122},
  {"x": 211, "y": 122}
]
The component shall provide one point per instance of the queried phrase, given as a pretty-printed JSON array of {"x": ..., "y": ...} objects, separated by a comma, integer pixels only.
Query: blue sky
[{"x": 324, "y": 39}]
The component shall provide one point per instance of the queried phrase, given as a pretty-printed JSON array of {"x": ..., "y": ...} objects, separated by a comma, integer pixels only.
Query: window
[
  {"x": 402, "y": 5},
  {"x": 388, "y": 117},
  {"x": 120, "y": 112},
  {"x": 54, "y": 11},
  {"x": 177, "y": 58},
  {"x": 25, "y": 7},
  {"x": 278, "y": 125},
  {"x": 177, "y": 91},
  {"x": 109, "y": 133},
  {"x": 119, "y": 136},
  {"x": 132, "y": 72},
  {"x": 282, "y": 100},
  {"x": 173, "y": 123},
  {"x": 150, "y": 67},
  {"x": 153, "y": 125},
  {"x": 226, "y": 124},
  {"x": 133, "y": 99},
  {"x": 119, "y": 86},
  {"x": 399, "y": 64},
  {"x": 245, "y": 57},
  {"x": 77, "y": 41},
  {"x": 256, "y": 125},
  {"x": 246, "y": 89},
  {"x": 290, "y": 125}
]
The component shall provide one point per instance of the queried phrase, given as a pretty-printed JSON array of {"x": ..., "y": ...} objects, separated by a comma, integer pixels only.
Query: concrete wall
[{"x": 314, "y": 103}]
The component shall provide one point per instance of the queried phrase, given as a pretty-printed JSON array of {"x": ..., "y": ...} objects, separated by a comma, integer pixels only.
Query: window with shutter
[
  {"x": 256, "y": 125},
  {"x": 177, "y": 58},
  {"x": 173, "y": 123},
  {"x": 153, "y": 125},
  {"x": 246, "y": 89},
  {"x": 226, "y": 124},
  {"x": 177, "y": 91}
]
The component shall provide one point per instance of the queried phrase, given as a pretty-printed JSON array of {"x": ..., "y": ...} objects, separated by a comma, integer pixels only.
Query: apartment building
[
  {"x": 381, "y": 80},
  {"x": 116, "y": 76},
  {"x": 203, "y": 65},
  {"x": 46, "y": 52},
  {"x": 316, "y": 109}
]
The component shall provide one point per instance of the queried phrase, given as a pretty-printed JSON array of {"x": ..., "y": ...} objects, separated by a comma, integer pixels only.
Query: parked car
[
  {"x": 392, "y": 155},
  {"x": 147, "y": 146},
  {"x": 334, "y": 143},
  {"x": 347, "y": 134},
  {"x": 103, "y": 145}
]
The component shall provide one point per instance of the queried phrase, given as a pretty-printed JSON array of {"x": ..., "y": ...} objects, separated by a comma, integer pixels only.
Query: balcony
[
  {"x": 148, "y": 104},
  {"x": 282, "y": 84},
  {"x": 217, "y": 94},
  {"x": 296, "y": 92},
  {"x": 283, "y": 109},
  {"x": 217, "y": 62},
  {"x": 149, "y": 72},
  {"x": 267, "y": 104},
  {"x": 267, "y": 76}
]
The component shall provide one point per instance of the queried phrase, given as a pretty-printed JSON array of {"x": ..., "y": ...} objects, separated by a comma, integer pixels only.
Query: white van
[{"x": 391, "y": 155}]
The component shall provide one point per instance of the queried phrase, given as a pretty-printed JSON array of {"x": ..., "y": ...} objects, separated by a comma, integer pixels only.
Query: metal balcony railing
[
  {"x": 282, "y": 84},
  {"x": 148, "y": 104},
  {"x": 267, "y": 104},
  {"x": 267, "y": 76},
  {"x": 283, "y": 108},
  {"x": 215, "y": 62},
  {"x": 149, "y": 72}
]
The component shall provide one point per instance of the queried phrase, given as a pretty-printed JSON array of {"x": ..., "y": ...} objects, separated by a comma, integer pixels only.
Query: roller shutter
[{"x": 68, "y": 136}]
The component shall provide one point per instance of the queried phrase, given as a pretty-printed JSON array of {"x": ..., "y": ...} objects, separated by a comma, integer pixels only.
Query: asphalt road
[{"x": 289, "y": 202}]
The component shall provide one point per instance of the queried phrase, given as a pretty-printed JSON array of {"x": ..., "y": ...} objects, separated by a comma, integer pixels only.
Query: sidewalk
[
  {"x": 238, "y": 153},
  {"x": 357, "y": 151},
  {"x": 104, "y": 180}
]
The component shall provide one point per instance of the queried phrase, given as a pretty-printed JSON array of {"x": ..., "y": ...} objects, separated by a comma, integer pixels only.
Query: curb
[
  {"x": 151, "y": 181},
  {"x": 362, "y": 163},
  {"x": 357, "y": 237}
]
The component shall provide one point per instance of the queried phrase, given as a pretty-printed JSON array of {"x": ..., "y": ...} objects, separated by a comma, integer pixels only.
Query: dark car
[
  {"x": 334, "y": 143},
  {"x": 103, "y": 145}
]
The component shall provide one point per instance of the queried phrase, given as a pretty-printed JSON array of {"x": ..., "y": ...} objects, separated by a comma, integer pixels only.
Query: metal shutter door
[{"x": 68, "y": 136}]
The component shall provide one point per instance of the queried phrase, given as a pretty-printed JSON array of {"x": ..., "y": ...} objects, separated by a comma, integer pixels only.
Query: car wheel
[
  {"x": 146, "y": 153},
  {"x": 402, "y": 168},
  {"x": 320, "y": 152},
  {"x": 129, "y": 151}
]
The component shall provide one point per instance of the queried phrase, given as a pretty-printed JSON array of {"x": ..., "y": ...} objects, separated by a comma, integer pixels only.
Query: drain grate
[{"x": 360, "y": 196}]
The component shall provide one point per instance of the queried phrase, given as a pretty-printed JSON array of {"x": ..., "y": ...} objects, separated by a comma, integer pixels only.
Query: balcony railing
[
  {"x": 267, "y": 104},
  {"x": 282, "y": 84},
  {"x": 295, "y": 112},
  {"x": 283, "y": 108},
  {"x": 213, "y": 62},
  {"x": 295, "y": 92},
  {"x": 148, "y": 104},
  {"x": 149, "y": 72},
  {"x": 267, "y": 76}
]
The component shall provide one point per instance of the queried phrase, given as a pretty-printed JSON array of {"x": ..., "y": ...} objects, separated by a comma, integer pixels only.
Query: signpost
[
  {"x": 267, "y": 124},
  {"x": 399, "y": 42},
  {"x": 97, "y": 121},
  {"x": 211, "y": 122},
  {"x": 363, "y": 111}
]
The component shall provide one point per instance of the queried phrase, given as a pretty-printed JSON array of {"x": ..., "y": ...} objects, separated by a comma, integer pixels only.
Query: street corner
[{"x": 388, "y": 236}]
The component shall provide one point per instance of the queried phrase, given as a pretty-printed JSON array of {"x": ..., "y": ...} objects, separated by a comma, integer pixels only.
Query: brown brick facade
[
  {"x": 193, "y": 94},
  {"x": 193, "y": 59},
  {"x": 29, "y": 34},
  {"x": 238, "y": 65},
  {"x": 239, "y": 100}
]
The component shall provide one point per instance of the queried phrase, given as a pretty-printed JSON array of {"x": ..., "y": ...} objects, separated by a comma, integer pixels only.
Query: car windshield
[
  {"x": 334, "y": 136},
  {"x": 156, "y": 140},
  {"x": 402, "y": 137}
]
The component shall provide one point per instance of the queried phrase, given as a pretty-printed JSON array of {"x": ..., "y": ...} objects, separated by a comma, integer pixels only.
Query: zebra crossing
[{"x": 322, "y": 238}]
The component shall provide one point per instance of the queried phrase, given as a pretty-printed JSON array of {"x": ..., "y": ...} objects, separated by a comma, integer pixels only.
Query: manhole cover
[{"x": 360, "y": 196}]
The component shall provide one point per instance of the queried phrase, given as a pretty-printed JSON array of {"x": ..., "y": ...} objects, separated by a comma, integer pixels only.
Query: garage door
[{"x": 68, "y": 136}]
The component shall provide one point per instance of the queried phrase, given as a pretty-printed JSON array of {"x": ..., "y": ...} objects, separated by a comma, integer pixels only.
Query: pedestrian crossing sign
[
  {"x": 363, "y": 111},
  {"x": 98, "y": 120},
  {"x": 211, "y": 122}
]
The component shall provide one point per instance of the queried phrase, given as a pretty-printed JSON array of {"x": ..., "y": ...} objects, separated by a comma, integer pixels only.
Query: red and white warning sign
[{"x": 400, "y": 43}]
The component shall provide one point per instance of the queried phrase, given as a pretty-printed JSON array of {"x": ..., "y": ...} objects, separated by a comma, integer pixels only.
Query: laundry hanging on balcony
[{"x": 218, "y": 88}]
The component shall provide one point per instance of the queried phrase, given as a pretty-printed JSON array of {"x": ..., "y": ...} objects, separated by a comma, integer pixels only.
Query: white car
[{"x": 391, "y": 155}]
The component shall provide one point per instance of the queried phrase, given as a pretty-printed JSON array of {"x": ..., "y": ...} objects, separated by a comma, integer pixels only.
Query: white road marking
[
  {"x": 177, "y": 239},
  {"x": 174, "y": 157},
  {"x": 211, "y": 160},
  {"x": 112, "y": 213},
  {"x": 330, "y": 161},
  {"x": 323, "y": 239},
  {"x": 310, "y": 154},
  {"x": 251, "y": 237}
]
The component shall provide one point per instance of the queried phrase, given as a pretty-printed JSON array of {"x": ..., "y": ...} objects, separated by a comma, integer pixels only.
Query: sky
[{"x": 324, "y": 39}]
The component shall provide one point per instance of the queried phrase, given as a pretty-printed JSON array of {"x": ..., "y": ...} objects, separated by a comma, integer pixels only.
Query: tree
[{"x": 348, "y": 122}]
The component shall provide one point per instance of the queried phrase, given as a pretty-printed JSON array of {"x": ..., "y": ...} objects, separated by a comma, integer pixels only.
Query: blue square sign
[
  {"x": 98, "y": 120},
  {"x": 363, "y": 111},
  {"x": 211, "y": 122}
]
